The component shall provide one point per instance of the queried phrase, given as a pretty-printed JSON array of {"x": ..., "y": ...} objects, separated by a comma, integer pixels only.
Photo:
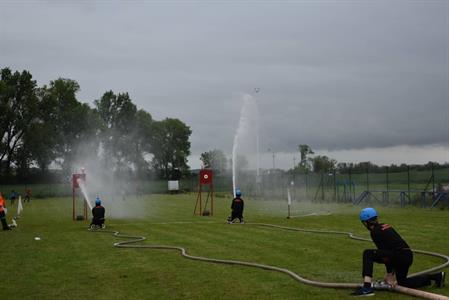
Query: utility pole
[{"x": 269, "y": 150}]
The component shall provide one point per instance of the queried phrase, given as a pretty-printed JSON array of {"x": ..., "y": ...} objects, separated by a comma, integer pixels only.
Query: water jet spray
[{"x": 246, "y": 143}]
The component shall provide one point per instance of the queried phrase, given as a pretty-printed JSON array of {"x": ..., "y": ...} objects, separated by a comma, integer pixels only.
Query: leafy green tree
[
  {"x": 322, "y": 163},
  {"x": 304, "y": 151},
  {"x": 170, "y": 146},
  {"x": 142, "y": 142},
  {"x": 241, "y": 162},
  {"x": 18, "y": 110},
  {"x": 72, "y": 122},
  {"x": 23, "y": 160},
  {"x": 119, "y": 130},
  {"x": 214, "y": 159},
  {"x": 41, "y": 138}
]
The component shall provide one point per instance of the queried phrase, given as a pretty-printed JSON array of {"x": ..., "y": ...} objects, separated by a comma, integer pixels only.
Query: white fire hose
[{"x": 400, "y": 289}]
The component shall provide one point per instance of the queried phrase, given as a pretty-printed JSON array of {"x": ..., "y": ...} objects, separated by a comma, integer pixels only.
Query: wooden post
[
  {"x": 205, "y": 178},
  {"x": 212, "y": 199},
  {"x": 73, "y": 203},
  {"x": 75, "y": 185}
]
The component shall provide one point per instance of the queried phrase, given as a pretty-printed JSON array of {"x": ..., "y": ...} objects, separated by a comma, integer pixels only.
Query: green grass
[{"x": 69, "y": 262}]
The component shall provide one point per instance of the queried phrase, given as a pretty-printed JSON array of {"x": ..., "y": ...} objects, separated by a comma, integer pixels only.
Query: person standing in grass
[
  {"x": 27, "y": 195},
  {"x": 237, "y": 207},
  {"x": 13, "y": 196},
  {"x": 3, "y": 212},
  {"x": 394, "y": 253}
]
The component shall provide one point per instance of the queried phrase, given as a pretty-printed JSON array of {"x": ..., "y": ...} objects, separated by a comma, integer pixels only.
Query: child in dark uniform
[
  {"x": 394, "y": 253},
  {"x": 98, "y": 214},
  {"x": 237, "y": 208}
]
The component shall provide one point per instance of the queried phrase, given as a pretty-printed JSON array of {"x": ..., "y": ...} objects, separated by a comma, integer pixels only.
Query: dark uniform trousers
[{"x": 397, "y": 261}]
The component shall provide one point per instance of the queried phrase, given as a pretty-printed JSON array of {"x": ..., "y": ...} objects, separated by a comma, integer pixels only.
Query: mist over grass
[
  {"x": 298, "y": 208},
  {"x": 117, "y": 190}
]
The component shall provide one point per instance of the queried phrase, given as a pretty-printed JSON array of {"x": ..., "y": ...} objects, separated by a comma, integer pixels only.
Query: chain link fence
[{"x": 415, "y": 186}]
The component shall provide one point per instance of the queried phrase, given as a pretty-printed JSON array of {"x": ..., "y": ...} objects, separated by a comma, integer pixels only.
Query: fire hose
[{"x": 132, "y": 240}]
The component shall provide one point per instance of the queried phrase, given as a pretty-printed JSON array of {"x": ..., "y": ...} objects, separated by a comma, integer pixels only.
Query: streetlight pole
[{"x": 269, "y": 150}]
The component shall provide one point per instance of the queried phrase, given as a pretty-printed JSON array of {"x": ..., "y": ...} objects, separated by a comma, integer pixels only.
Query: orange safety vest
[{"x": 2, "y": 203}]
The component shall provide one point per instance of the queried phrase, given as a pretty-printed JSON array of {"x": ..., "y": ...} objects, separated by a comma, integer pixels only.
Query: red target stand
[
  {"x": 75, "y": 185},
  {"x": 205, "y": 179}
]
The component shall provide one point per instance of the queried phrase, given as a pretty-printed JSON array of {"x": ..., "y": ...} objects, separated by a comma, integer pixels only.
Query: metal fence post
[
  {"x": 408, "y": 185},
  {"x": 388, "y": 184}
]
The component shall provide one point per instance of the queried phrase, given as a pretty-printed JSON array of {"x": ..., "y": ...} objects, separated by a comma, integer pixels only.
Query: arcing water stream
[
  {"x": 84, "y": 191},
  {"x": 246, "y": 141}
]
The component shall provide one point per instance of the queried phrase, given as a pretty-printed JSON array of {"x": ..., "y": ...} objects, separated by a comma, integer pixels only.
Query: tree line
[
  {"x": 310, "y": 163},
  {"x": 47, "y": 127},
  {"x": 322, "y": 163}
]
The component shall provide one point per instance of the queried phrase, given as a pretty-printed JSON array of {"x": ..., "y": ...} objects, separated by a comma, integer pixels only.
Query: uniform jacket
[
  {"x": 237, "y": 204},
  {"x": 386, "y": 238},
  {"x": 2, "y": 204},
  {"x": 98, "y": 212}
]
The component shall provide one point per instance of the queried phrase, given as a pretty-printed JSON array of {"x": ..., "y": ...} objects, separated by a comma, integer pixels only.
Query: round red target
[{"x": 205, "y": 176}]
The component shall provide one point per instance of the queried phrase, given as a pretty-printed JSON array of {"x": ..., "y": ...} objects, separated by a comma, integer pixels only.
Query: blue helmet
[
  {"x": 367, "y": 214},
  {"x": 98, "y": 201},
  {"x": 238, "y": 193}
]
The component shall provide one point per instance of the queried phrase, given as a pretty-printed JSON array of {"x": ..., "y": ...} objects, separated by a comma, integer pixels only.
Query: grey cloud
[{"x": 335, "y": 75}]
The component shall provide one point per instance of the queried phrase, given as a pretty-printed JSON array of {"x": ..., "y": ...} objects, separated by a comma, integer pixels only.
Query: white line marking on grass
[
  {"x": 166, "y": 223},
  {"x": 312, "y": 214}
]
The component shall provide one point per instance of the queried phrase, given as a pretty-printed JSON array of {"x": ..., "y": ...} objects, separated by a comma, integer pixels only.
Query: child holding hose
[
  {"x": 394, "y": 253},
  {"x": 98, "y": 214},
  {"x": 237, "y": 208}
]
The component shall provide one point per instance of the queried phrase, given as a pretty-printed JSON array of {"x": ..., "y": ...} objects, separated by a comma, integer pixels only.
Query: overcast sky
[{"x": 356, "y": 80}]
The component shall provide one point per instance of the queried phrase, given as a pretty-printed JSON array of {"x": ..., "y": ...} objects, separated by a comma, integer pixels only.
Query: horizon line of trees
[
  {"x": 322, "y": 163},
  {"x": 48, "y": 126},
  {"x": 216, "y": 159}
]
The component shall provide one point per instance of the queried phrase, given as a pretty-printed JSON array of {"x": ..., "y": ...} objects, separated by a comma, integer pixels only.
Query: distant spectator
[
  {"x": 3, "y": 212},
  {"x": 27, "y": 195},
  {"x": 13, "y": 196}
]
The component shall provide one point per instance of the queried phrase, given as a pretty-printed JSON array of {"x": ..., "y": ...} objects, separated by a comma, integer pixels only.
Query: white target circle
[{"x": 205, "y": 176}]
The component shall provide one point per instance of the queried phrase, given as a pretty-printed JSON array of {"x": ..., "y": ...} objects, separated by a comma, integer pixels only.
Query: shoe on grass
[{"x": 363, "y": 291}]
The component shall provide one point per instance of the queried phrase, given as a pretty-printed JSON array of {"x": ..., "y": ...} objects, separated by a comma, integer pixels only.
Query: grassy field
[{"x": 71, "y": 263}]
